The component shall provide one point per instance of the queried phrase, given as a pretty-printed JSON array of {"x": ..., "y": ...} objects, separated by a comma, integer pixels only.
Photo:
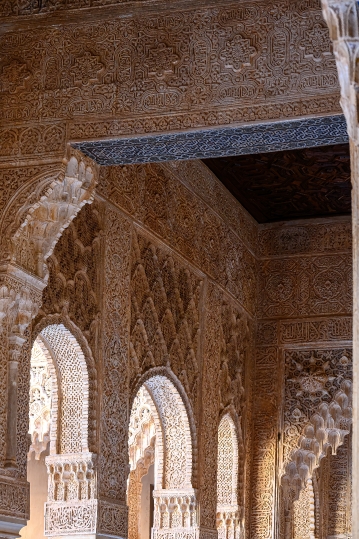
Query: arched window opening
[
  {"x": 61, "y": 470},
  {"x": 160, "y": 493},
  {"x": 228, "y": 524}
]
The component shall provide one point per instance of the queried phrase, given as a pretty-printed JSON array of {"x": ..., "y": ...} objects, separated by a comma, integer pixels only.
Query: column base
[{"x": 10, "y": 527}]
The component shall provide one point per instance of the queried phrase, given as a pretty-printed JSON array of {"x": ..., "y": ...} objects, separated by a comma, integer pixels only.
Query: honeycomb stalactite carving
[
  {"x": 327, "y": 428},
  {"x": 164, "y": 309},
  {"x": 165, "y": 315},
  {"x": 26, "y": 245},
  {"x": 318, "y": 411},
  {"x": 74, "y": 273},
  {"x": 47, "y": 218}
]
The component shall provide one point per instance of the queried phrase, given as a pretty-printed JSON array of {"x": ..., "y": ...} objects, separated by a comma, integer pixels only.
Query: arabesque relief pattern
[
  {"x": 74, "y": 290},
  {"x": 162, "y": 273},
  {"x": 209, "y": 238},
  {"x": 72, "y": 475},
  {"x": 114, "y": 419},
  {"x": 27, "y": 242},
  {"x": 167, "y": 272},
  {"x": 214, "y": 66},
  {"x": 311, "y": 348}
]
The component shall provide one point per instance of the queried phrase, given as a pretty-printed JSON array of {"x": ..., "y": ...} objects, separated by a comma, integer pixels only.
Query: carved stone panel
[{"x": 211, "y": 65}]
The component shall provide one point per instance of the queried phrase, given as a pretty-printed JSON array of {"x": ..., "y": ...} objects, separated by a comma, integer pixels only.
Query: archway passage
[
  {"x": 160, "y": 443},
  {"x": 228, "y": 524},
  {"x": 64, "y": 479}
]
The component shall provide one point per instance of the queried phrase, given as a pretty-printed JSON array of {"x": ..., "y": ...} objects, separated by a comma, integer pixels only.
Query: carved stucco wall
[
  {"x": 163, "y": 271},
  {"x": 214, "y": 65},
  {"x": 172, "y": 253},
  {"x": 304, "y": 340}
]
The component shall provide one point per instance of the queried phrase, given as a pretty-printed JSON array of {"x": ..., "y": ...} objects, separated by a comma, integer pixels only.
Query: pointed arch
[
  {"x": 177, "y": 442},
  {"x": 63, "y": 319},
  {"x": 72, "y": 436},
  {"x": 71, "y": 505},
  {"x": 160, "y": 421}
]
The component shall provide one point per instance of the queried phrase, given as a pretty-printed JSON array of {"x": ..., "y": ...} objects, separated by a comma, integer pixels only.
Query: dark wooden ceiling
[{"x": 292, "y": 184}]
